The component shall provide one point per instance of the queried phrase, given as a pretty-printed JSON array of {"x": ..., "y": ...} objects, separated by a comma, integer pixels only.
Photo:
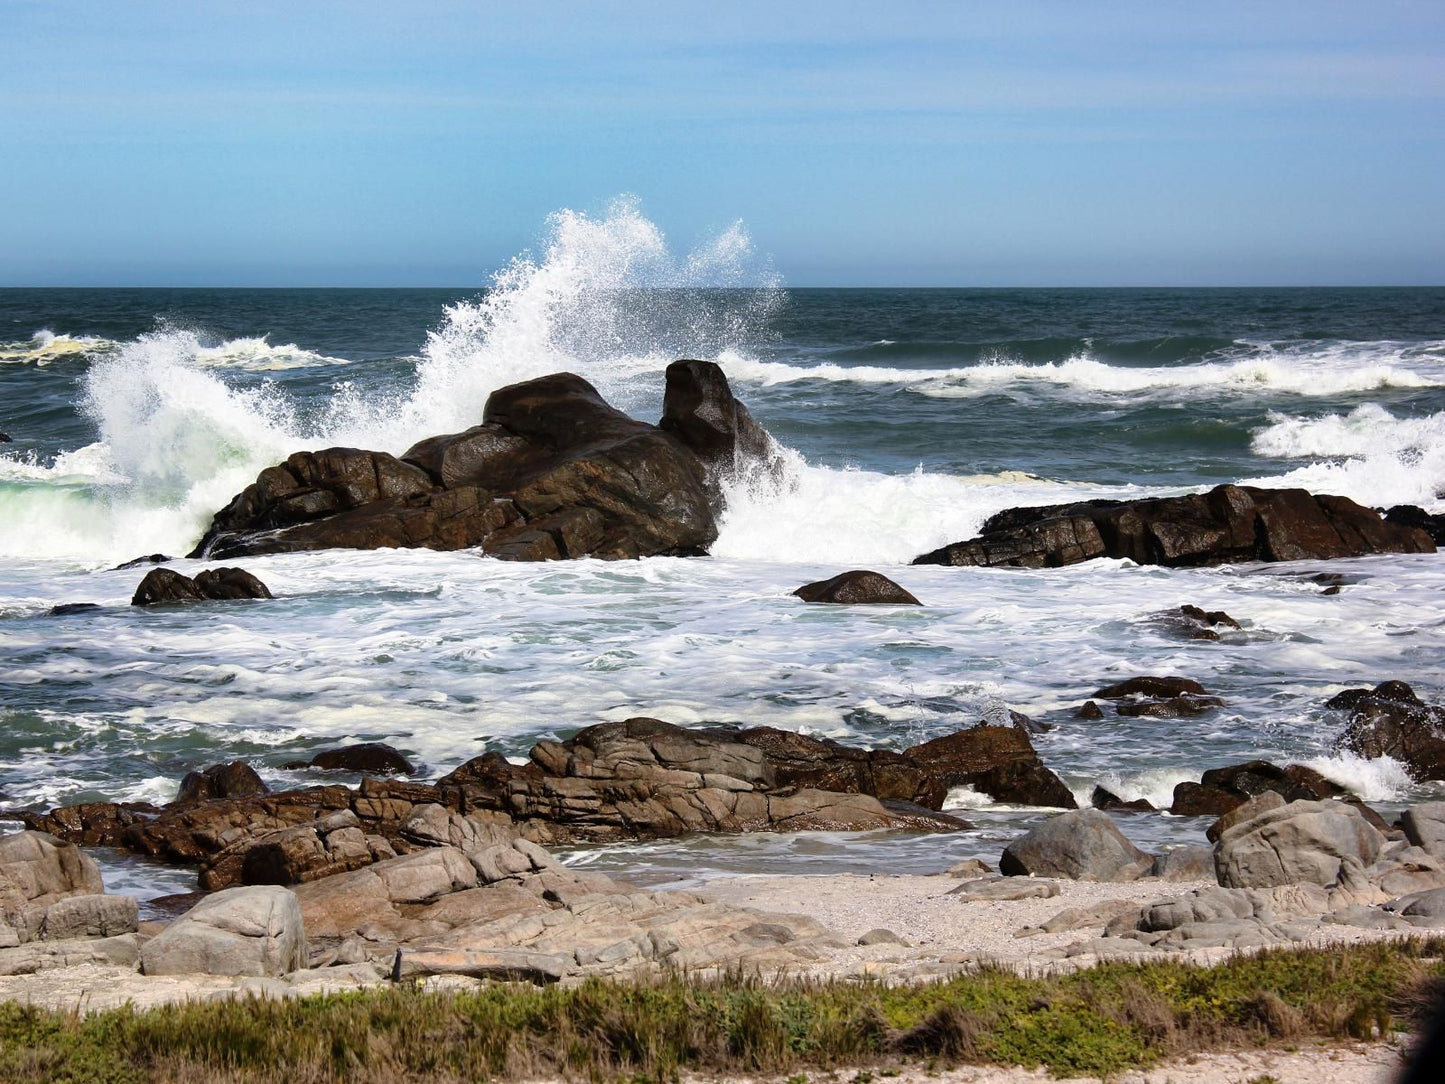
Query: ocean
[{"x": 908, "y": 417}]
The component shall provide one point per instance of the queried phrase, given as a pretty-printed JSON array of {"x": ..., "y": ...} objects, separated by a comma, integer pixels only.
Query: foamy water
[{"x": 451, "y": 655}]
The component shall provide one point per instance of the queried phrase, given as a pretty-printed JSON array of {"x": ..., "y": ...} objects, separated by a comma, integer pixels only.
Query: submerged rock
[
  {"x": 859, "y": 586},
  {"x": 164, "y": 585},
  {"x": 372, "y": 758},
  {"x": 1228, "y": 524},
  {"x": 551, "y": 472}
]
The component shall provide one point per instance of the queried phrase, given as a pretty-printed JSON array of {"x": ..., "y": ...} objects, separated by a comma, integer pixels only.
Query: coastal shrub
[{"x": 1097, "y": 1021}]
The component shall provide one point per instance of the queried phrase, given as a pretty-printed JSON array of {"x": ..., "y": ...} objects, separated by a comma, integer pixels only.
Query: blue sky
[{"x": 424, "y": 143}]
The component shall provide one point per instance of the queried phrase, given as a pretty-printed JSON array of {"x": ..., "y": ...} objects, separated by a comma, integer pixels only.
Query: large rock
[
  {"x": 1228, "y": 524},
  {"x": 1082, "y": 845},
  {"x": 999, "y": 761},
  {"x": 1391, "y": 720},
  {"x": 551, "y": 472},
  {"x": 1412, "y": 515},
  {"x": 164, "y": 585},
  {"x": 1220, "y": 790},
  {"x": 859, "y": 586},
  {"x": 36, "y": 870},
  {"x": 698, "y": 408},
  {"x": 239, "y": 931},
  {"x": 1298, "y": 842},
  {"x": 646, "y": 779},
  {"x": 236, "y": 779},
  {"x": 372, "y": 758}
]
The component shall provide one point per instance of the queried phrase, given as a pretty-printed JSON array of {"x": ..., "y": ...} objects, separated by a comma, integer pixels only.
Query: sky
[{"x": 902, "y": 143}]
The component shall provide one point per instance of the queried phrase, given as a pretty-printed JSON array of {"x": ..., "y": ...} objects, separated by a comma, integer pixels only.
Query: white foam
[
  {"x": 1368, "y": 454},
  {"x": 1383, "y": 779},
  {"x": 45, "y": 346}
]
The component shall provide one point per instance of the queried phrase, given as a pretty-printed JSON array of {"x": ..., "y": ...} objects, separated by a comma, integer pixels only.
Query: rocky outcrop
[
  {"x": 164, "y": 585},
  {"x": 37, "y": 869},
  {"x": 1082, "y": 845},
  {"x": 1298, "y": 842},
  {"x": 1390, "y": 720},
  {"x": 1194, "y": 623},
  {"x": 859, "y": 586},
  {"x": 551, "y": 472},
  {"x": 1226, "y": 525},
  {"x": 1221, "y": 790},
  {"x": 1159, "y": 697},
  {"x": 239, "y": 931},
  {"x": 999, "y": 761},
  {"x": 698, "y": 408},
  {"x": 646, "y": 779}
]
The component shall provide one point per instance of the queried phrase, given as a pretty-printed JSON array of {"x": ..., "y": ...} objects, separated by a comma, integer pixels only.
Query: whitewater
[{"x": 908, "y": 417}]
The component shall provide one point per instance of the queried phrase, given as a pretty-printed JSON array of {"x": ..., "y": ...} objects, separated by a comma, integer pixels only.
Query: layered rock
[
  {"x": 1226, "y": 525},
  {"x": 1391, "y": 720},
  {"x": 551, "y": 472}
]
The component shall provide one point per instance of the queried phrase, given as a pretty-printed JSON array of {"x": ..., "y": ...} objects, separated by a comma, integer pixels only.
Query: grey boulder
[
  {"x": 256, "y": 930},
  {"x": 1299, "y": 842},
  {"x": 1081, "y": 845}
]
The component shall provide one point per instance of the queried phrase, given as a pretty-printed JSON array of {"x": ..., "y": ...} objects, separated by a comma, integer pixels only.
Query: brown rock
[
  {"x": 1228, "y": 524},
  {"x": 1391, "y": 720},
  {"x": 698, "y": 408},
  {"x": 234, "y": 780},
  {"x": 1111, "y": 802},
  {"x": 373, "y": 758},
  {"x": 855, "y": 587},
  {"x": 164, "y": 585},
  {"x": 999, "y": 761}
]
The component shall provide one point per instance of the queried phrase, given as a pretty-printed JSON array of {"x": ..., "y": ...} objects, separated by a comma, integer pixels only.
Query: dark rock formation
[
  {"x": 372, "y": 758},
  {"x": 141, "y": 562},
  {"x": 1390, "y": 720},
  {"x": 1110, "y": 802},
  {"x": 798, "y": 760},
  {"x": 999, "y": 761},
  {"x": 551, "y": 472},
  {"x": 1221, "y": 790},
  {"x": 1194, "y": 623},
  {"x": 1157, "y": 687},
  {"x": 234, "y": 780},
  {"x": 1411, "y": 515},
  {"x": 1159, "y": 697},
  {"x": 859, "y": 586},
  {"x": 1090, "y": 710},
  {"x": 164, "y": 585},
  {"x": 698, "y": 409},
  {"x": 67, "y": 608},
  {"x": 1228, "y": 524}
]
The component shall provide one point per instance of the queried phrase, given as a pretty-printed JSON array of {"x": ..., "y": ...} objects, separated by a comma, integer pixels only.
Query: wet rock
[
  {"x": 1391, "y": 720},
  {"x": 234, "y": 780},
  {"x": 856, "y": 587},
  {"x": 798, "y": 760},
  {"x": 1413, "y": 516},
  {"x": 1090, "y": 710},
  {"x": 1222, "y": 789},
  {"x": 1298, "y": 842},
  {"x": 1176, "y": 707},
  {"x": 164, "y": 585},
  {"x": 141, "y": 562},
  {"x": 67, "y": 608},
  {"x": 1159, "y": 697},
  {"x": 1111, "y": 802},
  {"x": 999, "y": 761},
  {"x": 1228, "y": 524},
  {"x": 372, "y": 758},
  {"x": 551, "y": 472},
  {"x": 1083, "y": 845},
  {"x": 1158, "y": 688},
  {"x": 698, "y": 408},
  {"x": 239, "y": 931}
]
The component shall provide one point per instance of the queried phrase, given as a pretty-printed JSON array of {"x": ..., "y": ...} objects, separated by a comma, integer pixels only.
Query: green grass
[{"x": 1098, "y": 1022}]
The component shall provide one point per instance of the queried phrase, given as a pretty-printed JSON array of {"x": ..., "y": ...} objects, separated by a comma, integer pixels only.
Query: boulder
[
  {"x": 1391, "y": 720},
  {"x": 1424, "y": 826},
  {"x": 234, "y": 780},
  {"x": 1110, "y": 802},
  {"x": 1220, "y": 790},
  {"x": 1195, "y": 623},
  {"x": 36, "y": 870},
  {"x": 1228, "y": 524},
  {"x": 1184, "y": 864},
  {"x": 698, "y": 408},
  {"x": 551, "y": 472},
  {"x": 1298, "y": 842},
  {"x": 372, "y": 758},
  {"x": 999, "y": 761},
  {"x": 1082, "y": 845},
  {"x": 1157, "y": 688},
  {"x": 859, "y": 586},
  {"x": 256, "y": 930},
  {"x": 165, "y": 585},
  {"x": 1411, "y": 515}
]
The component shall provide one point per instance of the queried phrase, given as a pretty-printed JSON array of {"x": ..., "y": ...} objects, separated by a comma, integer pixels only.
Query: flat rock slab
[{"x": 1005, "y": 888}]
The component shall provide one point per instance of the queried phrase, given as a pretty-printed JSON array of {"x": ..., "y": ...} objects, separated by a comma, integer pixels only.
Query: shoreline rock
[{"x": 1229, "y": 524}]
